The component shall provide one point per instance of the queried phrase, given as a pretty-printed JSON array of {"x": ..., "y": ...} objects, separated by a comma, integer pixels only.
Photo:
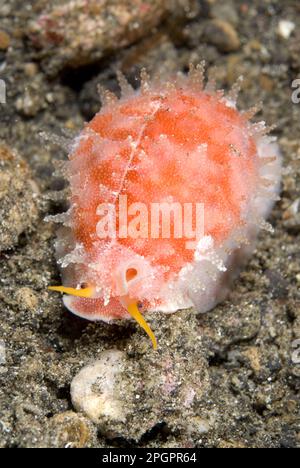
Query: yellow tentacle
[
  {"x": 84, "y": 292},
  {"x": 136, "y": 314}
]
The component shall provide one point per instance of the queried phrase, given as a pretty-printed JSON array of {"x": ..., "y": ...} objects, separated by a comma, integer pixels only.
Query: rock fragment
[{"x": 75, "y": 33}]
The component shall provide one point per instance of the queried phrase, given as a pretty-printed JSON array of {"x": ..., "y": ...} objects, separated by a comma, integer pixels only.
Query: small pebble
[
  {"x": 29, "y": 104},
  {"x": 69, "y": 430},
  {"x": 286, "y": 28},
  {"x": 225, "y": 11},
  {"x": 222, "y": 35},
  {"x": 2, "y": 352},
  {"x": 4, "y": 40},
  {"x": 27, "y": 299},
  {"x": 93, "y": 388},
  {"x": 30, "y": 69}
]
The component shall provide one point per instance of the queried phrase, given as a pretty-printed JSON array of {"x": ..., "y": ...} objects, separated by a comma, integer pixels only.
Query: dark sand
[{"x": 239, "y": 359}]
